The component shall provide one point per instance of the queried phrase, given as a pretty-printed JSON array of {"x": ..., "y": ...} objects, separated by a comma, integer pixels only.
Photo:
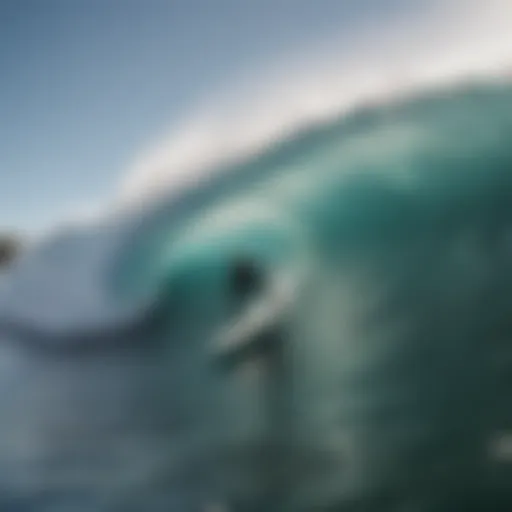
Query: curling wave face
[{"x": 324, "y": 326}]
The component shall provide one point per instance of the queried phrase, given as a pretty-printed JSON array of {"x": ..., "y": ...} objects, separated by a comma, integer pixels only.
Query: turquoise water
[
  {"x": 400, "y": 218},
  {"x": 382, "y": 383}
]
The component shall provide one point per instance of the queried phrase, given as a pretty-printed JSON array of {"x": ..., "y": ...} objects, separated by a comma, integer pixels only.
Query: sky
[
  {"x": 87, "y": 83},
  {"x": 87, "y": 86}
]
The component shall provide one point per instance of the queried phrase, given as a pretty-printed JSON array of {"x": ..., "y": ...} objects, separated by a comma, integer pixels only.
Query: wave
[{"x": 455, "y": 42}]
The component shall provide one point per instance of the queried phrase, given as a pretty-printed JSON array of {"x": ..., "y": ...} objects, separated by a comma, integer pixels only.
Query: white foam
[{"x": 455, "y": 42}]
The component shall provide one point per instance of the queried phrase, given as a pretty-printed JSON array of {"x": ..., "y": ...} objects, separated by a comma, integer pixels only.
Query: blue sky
[{"x": 85, "y": 84}]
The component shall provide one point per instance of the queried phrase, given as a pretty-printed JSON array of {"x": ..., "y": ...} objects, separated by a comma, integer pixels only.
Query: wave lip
[{"x": 471, "y": 41}]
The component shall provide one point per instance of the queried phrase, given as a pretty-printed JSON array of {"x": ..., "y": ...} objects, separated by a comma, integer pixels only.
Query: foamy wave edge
[{"x": 375, "y": 70}]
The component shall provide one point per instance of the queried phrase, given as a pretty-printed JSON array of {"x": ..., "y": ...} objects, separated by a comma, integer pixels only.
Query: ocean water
[{"x": 387, "y": 383}]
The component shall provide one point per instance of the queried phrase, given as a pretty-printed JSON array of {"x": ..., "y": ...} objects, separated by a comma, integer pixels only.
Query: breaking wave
[{"x": 457, "y": 42}]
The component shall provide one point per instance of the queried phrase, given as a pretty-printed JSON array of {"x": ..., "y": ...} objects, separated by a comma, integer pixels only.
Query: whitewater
[{"x": 451, "y": 42}]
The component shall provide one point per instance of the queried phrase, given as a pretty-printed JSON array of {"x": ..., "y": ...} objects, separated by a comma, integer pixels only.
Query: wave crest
[{"x": 459, "y": 42}]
